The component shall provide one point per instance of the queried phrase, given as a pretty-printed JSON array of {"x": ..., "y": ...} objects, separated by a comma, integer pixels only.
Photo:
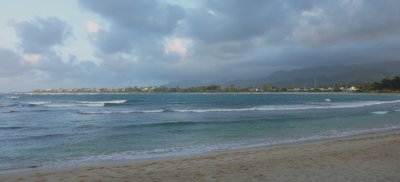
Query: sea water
[{"x": 66, "y": 130}]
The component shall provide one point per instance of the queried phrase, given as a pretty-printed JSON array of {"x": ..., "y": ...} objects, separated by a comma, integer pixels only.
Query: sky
[{"x": 119, "y": 43}]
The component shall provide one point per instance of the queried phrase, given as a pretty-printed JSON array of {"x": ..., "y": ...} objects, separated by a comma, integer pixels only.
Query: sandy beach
[{"x": 373, "y": 157}]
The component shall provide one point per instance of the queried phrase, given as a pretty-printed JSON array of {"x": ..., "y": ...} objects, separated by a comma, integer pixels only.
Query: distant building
[{"x": 349, "y": 89}]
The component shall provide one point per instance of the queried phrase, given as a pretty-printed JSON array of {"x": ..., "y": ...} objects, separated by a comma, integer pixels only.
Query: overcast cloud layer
[{"x": 149, "y": 42}]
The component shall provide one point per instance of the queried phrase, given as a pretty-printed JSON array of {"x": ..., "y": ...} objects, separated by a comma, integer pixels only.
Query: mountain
[
  {"x": 352, "y": 74},
  {"x": 356, "y": 74}
]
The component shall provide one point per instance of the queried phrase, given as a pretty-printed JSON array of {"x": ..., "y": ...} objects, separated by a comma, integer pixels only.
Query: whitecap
[
  {"x": 341, "y": 105},
  {"x": 38, "y": 103},
  {"x": 338, "y": 105},
  {"x": 380, "y": 112},
  {"x": 100, "y": 103},
  {"x": 216, "y": 110},
  {"x": 103, "y": 102},
  {"x": 12, "y": 97},
  {"x": 122, "y": 112},
  {"x": 93, "y": 105},
  {"x": 61, "y": 105}
]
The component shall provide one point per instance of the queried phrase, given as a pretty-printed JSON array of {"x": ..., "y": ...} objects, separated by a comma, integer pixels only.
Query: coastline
[{"x": 366, "y": 157}]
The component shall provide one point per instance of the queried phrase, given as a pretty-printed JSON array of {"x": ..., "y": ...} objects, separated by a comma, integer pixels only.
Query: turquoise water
[{"x": 74, "y": 130}]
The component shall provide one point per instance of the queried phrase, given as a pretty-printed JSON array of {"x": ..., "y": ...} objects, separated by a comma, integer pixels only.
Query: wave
[
  {"x": 123, "y": 112},
  {"x": 11, "y": 127},
  {"x": 12, "y": 97},
  {"x": 55, "y": 135},
  {"x": 189, "y": 123},
  {"x": 103, "y": 102},
  {"x": 167, "y": 123},
  {"x": 380, "y": 112},
  {"x": 75, "y": 104},
  {"x": 38, "y": 103},
  {"x": 10, "y": 105},
  {"x": 341, "y": 105},
  {"x": 29, "y": 111},
  {"x": 157, "y": 153},
  {"x": 12, "y": 111},
  {"x": 100, "y": 103},
  {"x": 338, "y": 105},
  {"x": 60, "y": 105}
]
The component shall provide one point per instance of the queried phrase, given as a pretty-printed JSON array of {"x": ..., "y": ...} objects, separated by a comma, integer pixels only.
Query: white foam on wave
[
  {"x": 122, "y": 112},
  {"x": 38, "y": 103},
  {"x": 100, "y": 103},
  {"x": 12, "y": 97},
  {"x": 76, "y": 103},
  {"x": 215, "y": 110},
  {"x": 92, "y": 105},
  {"x": 380, "y": 112},
  {"x": 327, "y": 100},
  {"x": 60, "y": 105},
  {"x": 338, "y": 105},
  {"x": 103, "y": 102}
]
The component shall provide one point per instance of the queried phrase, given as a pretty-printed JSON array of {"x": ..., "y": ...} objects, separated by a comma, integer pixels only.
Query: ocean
[{"x": 47, "y": 131}]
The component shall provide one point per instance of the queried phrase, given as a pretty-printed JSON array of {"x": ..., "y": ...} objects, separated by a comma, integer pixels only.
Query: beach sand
[{"x": 373, "y": 157}]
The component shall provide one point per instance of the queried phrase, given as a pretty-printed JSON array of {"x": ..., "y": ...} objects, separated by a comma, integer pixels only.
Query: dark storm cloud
[
  {"x": 154, "y": 41},
  {"x": 40, "y": 34},
  {"x": 251, "y": 38},
  {"x": 344, "y": 21},
  {"x": 232, "y": 39},
  {"x": 220, "y": 20}
]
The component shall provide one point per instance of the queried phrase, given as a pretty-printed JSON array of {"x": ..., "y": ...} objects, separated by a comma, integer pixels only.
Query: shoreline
[
  {"x": 31, "y": 169},
  {"x": 228, "y": 164}
]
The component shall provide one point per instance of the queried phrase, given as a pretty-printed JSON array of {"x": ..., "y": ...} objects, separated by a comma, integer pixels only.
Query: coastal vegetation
[{"x": 386, "y": 85}]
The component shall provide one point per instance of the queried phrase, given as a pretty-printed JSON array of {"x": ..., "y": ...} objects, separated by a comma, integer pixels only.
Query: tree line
[{"x": 385, "y": 85}]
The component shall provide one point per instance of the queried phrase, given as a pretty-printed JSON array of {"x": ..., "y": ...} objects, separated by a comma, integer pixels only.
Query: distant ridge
[{"x": 352, "y": 74}]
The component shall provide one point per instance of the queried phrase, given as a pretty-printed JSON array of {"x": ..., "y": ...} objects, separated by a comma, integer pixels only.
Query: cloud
[
  {"x": 92, "y": 27},
  {"x": 240, "y": 39},
  {"x": 133, "y": 22},
  {"x": 177, "y": 45},
  {"x": 237, "y": 20},
  {"x": 37, "y": 59},
  {"x": 41, "y": 34},
  {"x": 342, "y": 21},
  {"x": 11, "y": 63},
  {"x": 154, "y": 41}
]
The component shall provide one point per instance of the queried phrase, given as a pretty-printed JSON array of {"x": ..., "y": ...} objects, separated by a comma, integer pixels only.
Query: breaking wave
[
  {"x": 380, "y": 112},
  {"x": 12, "y": 97},
  {"x": 100, "y": 103},
  {"x": 38, "y": 103},
  {"x": 123, "y": 112},
  {"x": 341, "y": 105},
  {"x": 77, "y": 103}
]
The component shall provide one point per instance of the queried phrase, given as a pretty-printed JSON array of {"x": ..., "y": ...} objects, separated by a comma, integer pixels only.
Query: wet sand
[{"x": 373, "y": 157}]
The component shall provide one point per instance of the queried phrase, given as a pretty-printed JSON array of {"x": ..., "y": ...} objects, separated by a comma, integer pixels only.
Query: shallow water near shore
[{"x": 65, "y": 130}]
